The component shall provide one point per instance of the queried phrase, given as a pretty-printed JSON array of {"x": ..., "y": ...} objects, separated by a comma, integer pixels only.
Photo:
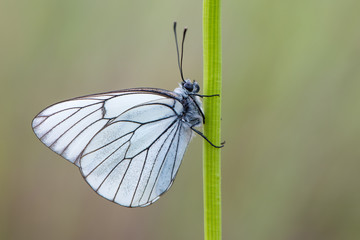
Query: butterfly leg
[
  {"x": 200, "y": 95},
  {"x": 203, "y": 136}
]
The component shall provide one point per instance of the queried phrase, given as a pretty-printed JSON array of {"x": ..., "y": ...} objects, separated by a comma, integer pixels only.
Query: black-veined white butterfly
[{"x": 128, "y": 144}]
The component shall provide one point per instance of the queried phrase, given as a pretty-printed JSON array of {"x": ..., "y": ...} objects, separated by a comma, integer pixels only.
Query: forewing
[
  {"x": 134, "y": 159},
  {"x": 67, "y": 127}
]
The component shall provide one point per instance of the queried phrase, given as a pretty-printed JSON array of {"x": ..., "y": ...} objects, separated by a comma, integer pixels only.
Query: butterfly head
[{"x": 190, "y": 87}]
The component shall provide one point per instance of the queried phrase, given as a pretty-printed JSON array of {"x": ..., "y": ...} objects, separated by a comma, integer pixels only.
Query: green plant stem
[{"x": 212, "y": 108}]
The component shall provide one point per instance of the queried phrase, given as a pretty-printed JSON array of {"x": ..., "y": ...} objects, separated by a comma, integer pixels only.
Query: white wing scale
[{"x": 128, "y": 145}]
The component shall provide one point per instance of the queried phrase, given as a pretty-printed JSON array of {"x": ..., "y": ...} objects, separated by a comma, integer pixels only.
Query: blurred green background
[{"x": 291, "y": 116}]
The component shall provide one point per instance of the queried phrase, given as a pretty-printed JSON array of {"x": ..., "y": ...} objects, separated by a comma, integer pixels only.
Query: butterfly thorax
[{"x": 193, "y": 112}]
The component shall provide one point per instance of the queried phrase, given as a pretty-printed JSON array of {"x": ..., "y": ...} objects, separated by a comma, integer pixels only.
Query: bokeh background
[{"x": 291, "y": 116}]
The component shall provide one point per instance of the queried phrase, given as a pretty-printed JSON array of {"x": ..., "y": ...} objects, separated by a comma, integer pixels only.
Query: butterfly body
[
  {"x": 193, "y": 113},
  {"x": 127, "y": 144}
]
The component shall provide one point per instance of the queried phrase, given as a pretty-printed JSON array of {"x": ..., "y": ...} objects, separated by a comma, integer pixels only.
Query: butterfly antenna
[
  {"x": 182, "y": 52},
  {"x": 177, "y": 51}
]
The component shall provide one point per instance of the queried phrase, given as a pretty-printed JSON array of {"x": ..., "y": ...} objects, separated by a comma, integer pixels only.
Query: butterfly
[{"x": 128, "y": 144}]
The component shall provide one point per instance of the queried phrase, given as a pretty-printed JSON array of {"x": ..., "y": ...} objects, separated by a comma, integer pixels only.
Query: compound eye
[
  {"x": 188, "y": 86},
  {"x": 196, "y": 88}
]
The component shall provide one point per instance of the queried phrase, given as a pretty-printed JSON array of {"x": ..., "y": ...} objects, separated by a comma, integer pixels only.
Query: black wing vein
[{"x": 162, "y": 164}]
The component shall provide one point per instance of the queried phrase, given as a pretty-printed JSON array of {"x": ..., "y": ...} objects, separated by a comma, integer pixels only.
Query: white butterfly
[{"x": 128, "y": 144}]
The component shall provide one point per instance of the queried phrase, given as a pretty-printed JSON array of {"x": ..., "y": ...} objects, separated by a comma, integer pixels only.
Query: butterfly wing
[{"x": 128, "y": 145}]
